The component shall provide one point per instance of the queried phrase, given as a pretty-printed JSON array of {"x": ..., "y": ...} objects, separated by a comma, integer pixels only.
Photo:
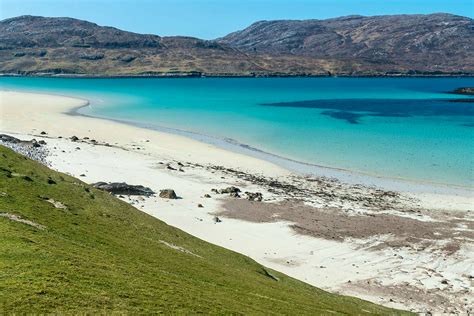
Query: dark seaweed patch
[
  {"x": 352, "y": 110},
  {"x": 350, "y": 117}
]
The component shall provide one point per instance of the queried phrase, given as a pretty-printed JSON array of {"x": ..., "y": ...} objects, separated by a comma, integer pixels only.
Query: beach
[{"x": 408, "y": 250}]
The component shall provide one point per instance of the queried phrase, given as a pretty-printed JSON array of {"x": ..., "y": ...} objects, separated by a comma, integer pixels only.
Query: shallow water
[{"x": 391, "y": 127}]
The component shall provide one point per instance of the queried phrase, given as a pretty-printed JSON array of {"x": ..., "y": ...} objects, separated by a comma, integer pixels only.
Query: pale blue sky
[{"x": 213, "y": 18}]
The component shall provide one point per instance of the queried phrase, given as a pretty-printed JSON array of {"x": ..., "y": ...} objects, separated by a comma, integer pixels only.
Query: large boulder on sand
[
  {"x": 123, "y": 188},
  {"x": 168, "y": 194}
]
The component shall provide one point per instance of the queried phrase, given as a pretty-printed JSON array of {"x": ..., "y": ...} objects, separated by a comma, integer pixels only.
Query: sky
[{"x": 210, "y": 19}]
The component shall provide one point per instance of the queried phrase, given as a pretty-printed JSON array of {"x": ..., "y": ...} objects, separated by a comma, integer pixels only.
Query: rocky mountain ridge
[{"x": 436, "y": 44}]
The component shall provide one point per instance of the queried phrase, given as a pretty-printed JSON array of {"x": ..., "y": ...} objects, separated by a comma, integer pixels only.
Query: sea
[{"x": 371, "y": 129}]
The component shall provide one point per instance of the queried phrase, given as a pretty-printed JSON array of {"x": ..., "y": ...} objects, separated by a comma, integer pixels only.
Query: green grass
[{"x": 103, "y": 255}]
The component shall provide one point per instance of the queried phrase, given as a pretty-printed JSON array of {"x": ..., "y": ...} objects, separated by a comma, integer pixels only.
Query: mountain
[
  {"x": 39, "y": 45},
  {"x": 68, "y": 248},
  {"x": 351, "y": 45},
  {"x": 436, "y": 42}
]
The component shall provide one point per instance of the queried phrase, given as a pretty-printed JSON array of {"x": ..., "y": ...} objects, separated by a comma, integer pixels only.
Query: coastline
[
  {"x": 407, "y": 185},
  {"x": 142, "y": 156},
  {"x": 238, "y": 75}
]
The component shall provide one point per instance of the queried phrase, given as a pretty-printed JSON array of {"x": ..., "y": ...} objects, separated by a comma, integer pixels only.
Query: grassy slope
[{"x": 103, "y": 255}]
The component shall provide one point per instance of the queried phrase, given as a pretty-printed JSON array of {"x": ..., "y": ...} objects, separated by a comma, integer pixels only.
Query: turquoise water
[{"x": 391, "y": 127}]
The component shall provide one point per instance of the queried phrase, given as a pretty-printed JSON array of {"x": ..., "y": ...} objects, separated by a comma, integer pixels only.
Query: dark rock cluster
[
  {"x": 123, "y": 188},
  {"x": 235, "y": 192}
]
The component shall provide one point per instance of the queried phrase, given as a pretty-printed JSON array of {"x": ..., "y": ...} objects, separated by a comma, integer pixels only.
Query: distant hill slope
[
  {"x": 36, "y": 45},
  {"x": 66, "y": 247},
  {"x": 352, "y": 45},
  {"x": 436, "y": 42}
]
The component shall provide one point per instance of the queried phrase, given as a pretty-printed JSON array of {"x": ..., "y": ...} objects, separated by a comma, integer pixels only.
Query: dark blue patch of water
[{"x": 352, "y": 110}]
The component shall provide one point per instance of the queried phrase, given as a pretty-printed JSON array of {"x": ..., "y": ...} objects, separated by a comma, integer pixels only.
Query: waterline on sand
[{"x": 302, "y": 168}]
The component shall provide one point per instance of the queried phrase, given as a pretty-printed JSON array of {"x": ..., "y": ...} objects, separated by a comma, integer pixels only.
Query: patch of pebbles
[{"x": 32, "y": 149}]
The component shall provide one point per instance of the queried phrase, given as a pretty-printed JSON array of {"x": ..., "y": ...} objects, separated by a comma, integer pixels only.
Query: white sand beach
[{"x": 399, "y": 249}]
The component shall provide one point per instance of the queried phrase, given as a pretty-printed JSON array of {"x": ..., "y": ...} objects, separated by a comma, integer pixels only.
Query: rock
[
  {"x": 257, "y": 196},
  {"x": 74, "y": 138},
  {"x": 43, "y": 133},
  {"x": 82, "y": 175},
  {"x": 170, "y": 168},
  {"x": 123, "y": 188},
  {"x": 78, "y": 148},
  {"x": 19, "y": 219},
  {"x": 234, "y": 194},
  {"x": 92, "y": 56},
  {"x": 9, "y": 139},
  {"x": 168, "y": 194},
  {"x": 268, "y": 274},
  {"x": 42, "y": 142},
  {"x": 464, "y": 90},
  {"x": 217, "y": 219},
  {"x": 207, "y": 196},
  {"x": 56, "y": 204},
  {"x": 180, "y": 164},
  {"x": 200, "y": 205},
  {"x": 51, "y": 181},
  {"x": 229, "y": 190},
  {"x": 127, "y": 58}
]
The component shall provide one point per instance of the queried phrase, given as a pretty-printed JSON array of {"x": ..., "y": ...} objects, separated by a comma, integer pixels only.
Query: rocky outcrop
[
  {"x": 464, "y": 90},
  {"x": 9, "y": 139},
  {"x": 123, "y": 188},
  {"x": 32, "y": 149}
]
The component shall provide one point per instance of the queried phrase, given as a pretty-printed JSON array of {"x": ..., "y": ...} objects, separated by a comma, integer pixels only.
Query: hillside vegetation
[{"x": 67, "y": 247}]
